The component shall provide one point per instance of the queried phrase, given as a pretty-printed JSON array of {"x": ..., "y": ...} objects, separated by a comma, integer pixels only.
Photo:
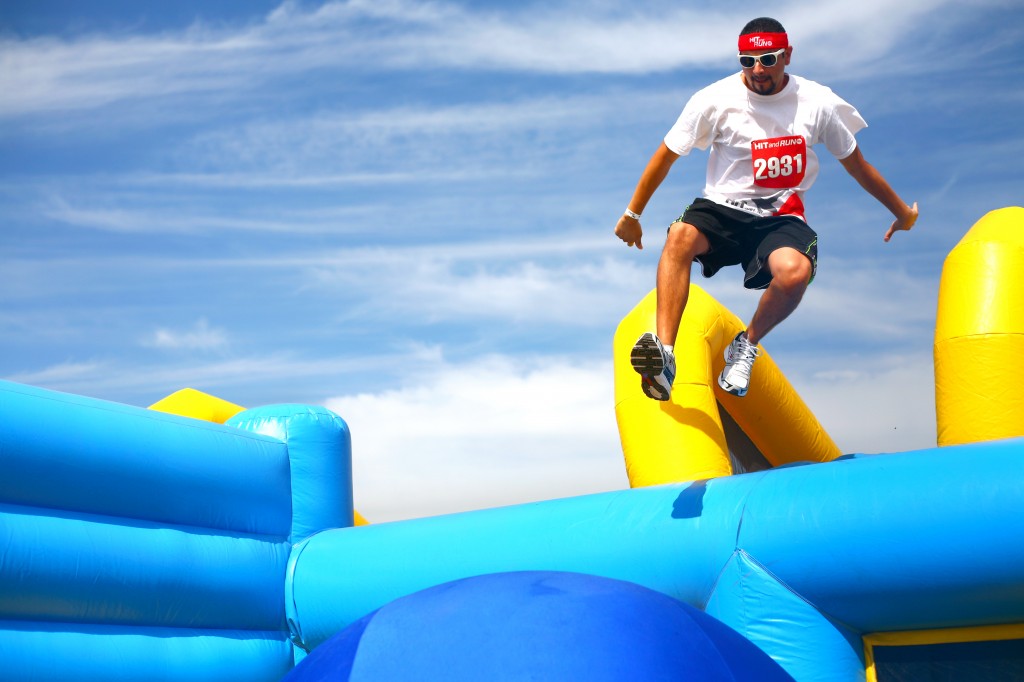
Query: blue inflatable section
[
  {"x": 320, "y": 463},
  {"x": 538, "y": 626},
  {"x": 95, "y": 457},
  {"x": 96, "y": 653},
  {"x": 139, "y": 545},
  {"x": 797, "y": 559}
]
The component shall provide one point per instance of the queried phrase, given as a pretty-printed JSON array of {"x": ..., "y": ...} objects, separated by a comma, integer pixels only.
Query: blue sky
[{"x": 404, "y": 210}]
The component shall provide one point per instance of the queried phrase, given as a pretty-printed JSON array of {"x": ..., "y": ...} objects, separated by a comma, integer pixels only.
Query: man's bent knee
[
  {"x": 790, "y": 268},
  {"x": 685, "y": 240}
]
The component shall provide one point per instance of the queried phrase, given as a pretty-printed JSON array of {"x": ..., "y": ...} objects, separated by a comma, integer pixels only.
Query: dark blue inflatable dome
[{"x": 537, "y": 626}]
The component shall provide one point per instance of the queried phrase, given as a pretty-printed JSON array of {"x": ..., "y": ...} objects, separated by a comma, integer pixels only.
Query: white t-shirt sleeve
[
  {"x": 694, "y": 129},
  {"x": 843, "y": 123}
]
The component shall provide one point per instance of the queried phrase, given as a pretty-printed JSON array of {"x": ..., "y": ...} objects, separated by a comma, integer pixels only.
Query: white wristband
[{"x": 632, "y": 214}]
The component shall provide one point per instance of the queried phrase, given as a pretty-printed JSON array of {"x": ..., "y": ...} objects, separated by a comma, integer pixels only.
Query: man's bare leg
[
  {"x": 684, "y": 242},
  {"x": 791, "y": 273},
  {"x": 650, "y": 357}
]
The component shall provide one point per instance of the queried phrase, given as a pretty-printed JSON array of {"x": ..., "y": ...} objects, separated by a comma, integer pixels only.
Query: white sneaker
[
  {"x": 656, "y": 366},
  {"x": 739, "y": 360}
]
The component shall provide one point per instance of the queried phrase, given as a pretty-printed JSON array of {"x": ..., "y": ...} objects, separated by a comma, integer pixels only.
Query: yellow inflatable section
[
  {"x": 189, "y": 402},
  {"x": 684, "y": 439},
  {"x": 979, "y": 333}
]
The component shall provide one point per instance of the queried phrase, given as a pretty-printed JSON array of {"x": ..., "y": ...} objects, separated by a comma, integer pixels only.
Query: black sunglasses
[{"x": 768, "y": 60}]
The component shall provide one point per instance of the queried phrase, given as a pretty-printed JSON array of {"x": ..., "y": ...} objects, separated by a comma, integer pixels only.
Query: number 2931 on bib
[{"x": 779, "y": 162}]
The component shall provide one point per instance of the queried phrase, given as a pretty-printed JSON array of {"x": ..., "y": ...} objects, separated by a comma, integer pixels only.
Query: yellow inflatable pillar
[
  {"x": 682, "y": 439},
  {"x": 979, "y": 333}
]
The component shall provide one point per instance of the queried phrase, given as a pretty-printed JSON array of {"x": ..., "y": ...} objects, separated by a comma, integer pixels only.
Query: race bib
[{"x": 779, "y": 162}]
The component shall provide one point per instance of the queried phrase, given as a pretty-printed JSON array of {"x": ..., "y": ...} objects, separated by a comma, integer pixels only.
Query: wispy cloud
[
  {"x": 62, "y": 374},
  {"x": 201, "y": 337},
  {"x": 51, "y": 74},
  {"x": 109, "y": 214},
  {"x": 516, "y": 282},
  {"x": 409, "y": 140},
  {"x": 91, "y": 71},
  {"x": 140, "y": 382}
]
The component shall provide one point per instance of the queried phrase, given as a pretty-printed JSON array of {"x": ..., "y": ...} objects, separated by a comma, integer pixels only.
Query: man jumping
[{"x": 761, "y": 125}]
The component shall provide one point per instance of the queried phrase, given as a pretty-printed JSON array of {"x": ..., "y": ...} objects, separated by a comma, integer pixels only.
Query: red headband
[{"x": 763, "y": 41}]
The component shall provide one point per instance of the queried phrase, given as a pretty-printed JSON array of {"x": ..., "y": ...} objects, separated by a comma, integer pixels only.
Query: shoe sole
[
  {"x": 648, "y": 362},
  {"x": 646, "y": 356}
]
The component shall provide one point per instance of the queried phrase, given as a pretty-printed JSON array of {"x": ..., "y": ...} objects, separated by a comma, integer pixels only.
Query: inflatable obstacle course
[{"x": 141, "y": 544}]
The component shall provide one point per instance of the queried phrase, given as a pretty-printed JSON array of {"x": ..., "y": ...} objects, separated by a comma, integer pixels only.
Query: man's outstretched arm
[
  {"x": 628, "y": 229},
  {"x": 872, "y": 181}
]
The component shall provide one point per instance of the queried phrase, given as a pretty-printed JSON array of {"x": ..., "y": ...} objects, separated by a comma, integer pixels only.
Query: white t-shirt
[{"x": 761, "y": 157}]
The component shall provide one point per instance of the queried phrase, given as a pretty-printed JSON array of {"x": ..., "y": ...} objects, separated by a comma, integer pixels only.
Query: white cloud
[
  {"x": 579, "y": 295},
  {"x": 62, "y": 373},
  {"x": 360, "y": 145},
  {"x": 484, "y": 433},
  {"x": 93, "y": 71},
  {"x": 234, "y": 378},
  {"x": 201, "y": 337},
  {"x": 114, "y": 213}
]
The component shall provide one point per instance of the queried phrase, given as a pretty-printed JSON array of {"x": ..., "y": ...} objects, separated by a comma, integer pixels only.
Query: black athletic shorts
[{"x": 740, "y": 238}]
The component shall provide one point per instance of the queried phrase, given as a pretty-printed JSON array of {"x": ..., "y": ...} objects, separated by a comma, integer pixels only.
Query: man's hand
[
  {"x": 629, "y": 230},
  {"x": 904, "y": 222}
]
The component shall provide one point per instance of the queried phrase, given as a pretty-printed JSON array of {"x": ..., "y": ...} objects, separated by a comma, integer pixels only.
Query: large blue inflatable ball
[{"x": 537, "y": 626}]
